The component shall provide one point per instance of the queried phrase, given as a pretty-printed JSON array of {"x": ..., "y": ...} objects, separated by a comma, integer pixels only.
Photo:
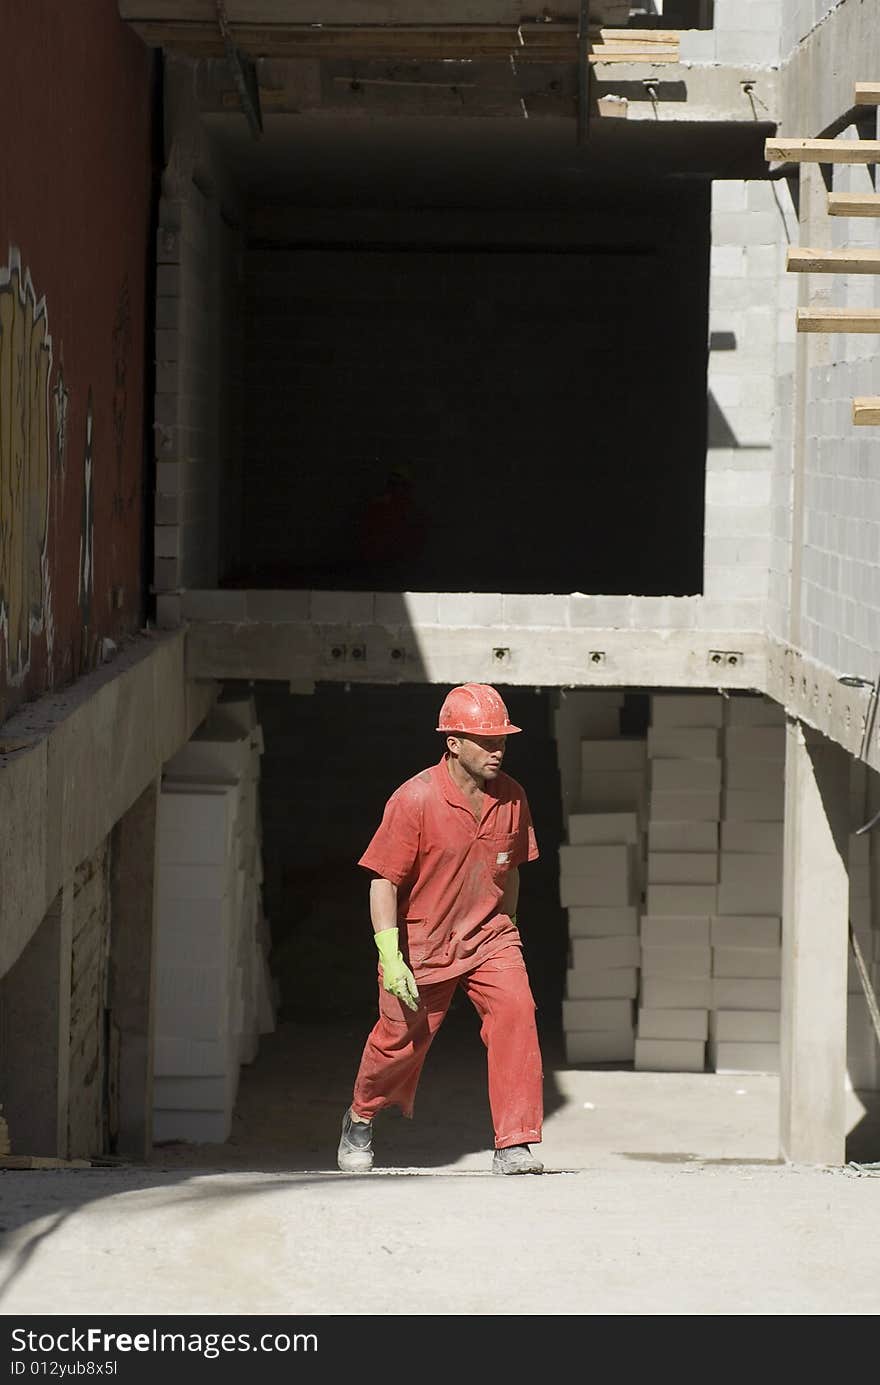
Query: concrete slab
[{"x": 659, "y": 1187}]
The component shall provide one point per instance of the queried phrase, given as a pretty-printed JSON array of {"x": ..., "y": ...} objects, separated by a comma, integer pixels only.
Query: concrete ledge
[{"x": 77, "y": 760}]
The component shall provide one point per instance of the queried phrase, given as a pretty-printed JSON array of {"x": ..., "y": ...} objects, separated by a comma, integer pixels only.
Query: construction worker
[
  {"x": 391, "y": 529},
  {"x": 443, "y": 898}
]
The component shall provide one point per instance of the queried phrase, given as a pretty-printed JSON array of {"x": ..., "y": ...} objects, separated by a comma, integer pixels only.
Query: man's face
[{"x": 481, "y": 756}]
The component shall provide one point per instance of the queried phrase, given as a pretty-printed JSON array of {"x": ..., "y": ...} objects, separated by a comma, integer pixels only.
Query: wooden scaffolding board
[
  {"x": 866, "y": 411},
  {"x": 854, "y": 203},
  {"x": 838, "y": 319},
  {"x": 822, "y": 151},
  {"x": 806, "y": 260}
]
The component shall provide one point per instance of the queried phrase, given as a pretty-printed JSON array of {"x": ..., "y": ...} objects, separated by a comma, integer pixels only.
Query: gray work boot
[
  {"x": 355, "y": 1153},
  {"x": 516, "y": 1159}
]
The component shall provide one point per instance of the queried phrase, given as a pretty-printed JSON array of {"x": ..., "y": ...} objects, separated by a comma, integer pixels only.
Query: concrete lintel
[
  {"x": 585, "y": 657},
  {"x": 814, "y": 693},
  {"x": 705, "y": 92}
]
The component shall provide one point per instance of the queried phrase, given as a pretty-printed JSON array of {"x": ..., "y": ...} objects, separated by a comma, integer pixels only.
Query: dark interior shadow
[
  {"x": 719, "y": 432},
  {"x": 863, "y": 1141}
]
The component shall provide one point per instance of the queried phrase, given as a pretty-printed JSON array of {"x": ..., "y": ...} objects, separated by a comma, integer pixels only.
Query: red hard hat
[{"x": 477, "y": 708}]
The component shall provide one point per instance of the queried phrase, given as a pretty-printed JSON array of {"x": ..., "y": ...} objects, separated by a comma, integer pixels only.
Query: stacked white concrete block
[
  {"x": 746, "y": 929},
  {"x": 600, "y": 872},
  {"x": 598, "y": 887},
  {"x": 682, "y": 873},
  {"x": 214, "y": 993}
]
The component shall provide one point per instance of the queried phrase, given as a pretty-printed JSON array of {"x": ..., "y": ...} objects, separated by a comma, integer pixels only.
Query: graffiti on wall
[
  {"x": 25, "y": 370},
  {"x": 60, "y": 401},
  {"x": 87, "y": 532}
]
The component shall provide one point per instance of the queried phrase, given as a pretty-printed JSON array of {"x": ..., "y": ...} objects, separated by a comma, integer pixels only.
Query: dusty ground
[{"x": 663, "y": 1195}]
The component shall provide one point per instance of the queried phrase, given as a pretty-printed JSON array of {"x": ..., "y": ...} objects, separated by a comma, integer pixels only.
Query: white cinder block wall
[
  {"x": 751, "y": 327},
  {"x": 840, "y": 574}
]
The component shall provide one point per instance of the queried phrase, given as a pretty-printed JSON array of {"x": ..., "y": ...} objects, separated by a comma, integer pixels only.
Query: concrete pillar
[
  {"x": 35, "y": 1036},
  {"x": 814, "y": 949},
  {"x": 133, "y": 877}
]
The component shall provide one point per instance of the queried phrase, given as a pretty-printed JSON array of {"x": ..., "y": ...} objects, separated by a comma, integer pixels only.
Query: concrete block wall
[
  {"x": 784, "y": 361},
  {"x": 197, "y": 402},
  {"x": 746, "y": 353},
  {"x": 357, "y": 361},
  {"x": 835, "y": 603}
]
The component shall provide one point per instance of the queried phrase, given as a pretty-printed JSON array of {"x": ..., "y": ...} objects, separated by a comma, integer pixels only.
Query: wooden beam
[
  {"x": 866, "y": 411},
  {"x": 601, "y": 53},
  {"x": 838, "y": 319},
  {"x": 526, "y": 42},
  {"x": 328, "y": 12},
  {"x": 630, "y": 36},
  {"x": 822, "y": 151},
  {"x": 854, "y": 204},
  {"x": 807, "y": 261},
  {"x": 619, "y": 45},
  {"x": 867, "y": 93},
  {"x": 198, "y": 35}
]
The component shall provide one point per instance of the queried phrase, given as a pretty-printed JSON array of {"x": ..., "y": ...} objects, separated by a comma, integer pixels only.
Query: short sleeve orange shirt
[{"x": 450, "y": 869}]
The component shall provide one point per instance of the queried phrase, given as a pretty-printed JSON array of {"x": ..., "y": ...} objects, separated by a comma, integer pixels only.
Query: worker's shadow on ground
[{"x": 292, "y": 1098}]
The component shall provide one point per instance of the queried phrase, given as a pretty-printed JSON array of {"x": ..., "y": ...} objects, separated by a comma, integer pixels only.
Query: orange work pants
[{"x": 398, "y": 1044}]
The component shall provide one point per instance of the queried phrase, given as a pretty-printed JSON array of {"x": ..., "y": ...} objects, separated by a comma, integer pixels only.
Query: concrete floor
[{"x": 663, "y": 1195}]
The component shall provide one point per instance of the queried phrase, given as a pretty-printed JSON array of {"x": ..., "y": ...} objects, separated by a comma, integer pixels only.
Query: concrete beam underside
[{"x": 411, "y": 638}]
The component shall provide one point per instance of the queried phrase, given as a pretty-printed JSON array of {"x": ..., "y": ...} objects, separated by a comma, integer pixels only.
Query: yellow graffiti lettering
[{"x": 25, "y": 367}]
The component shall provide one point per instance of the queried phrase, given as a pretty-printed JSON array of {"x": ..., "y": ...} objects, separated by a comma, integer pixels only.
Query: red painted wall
[{"x": 76, "y": 188}]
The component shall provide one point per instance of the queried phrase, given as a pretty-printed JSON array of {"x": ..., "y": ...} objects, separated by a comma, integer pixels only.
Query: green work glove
[{"x": 396, "y": 975}]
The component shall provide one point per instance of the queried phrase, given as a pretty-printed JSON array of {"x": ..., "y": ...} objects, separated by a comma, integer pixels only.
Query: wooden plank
[
  {"x": 637, "y": 50},
  {"x": 838, "y": 319},
  {"x": 822, "y": 151},
  {"x": 327, "y": 12},
  {"x": 808, "y": 261},
  {"x": 525, "y": 43},
  {"x": 641, "y": 35},
  {"x": 854, "y": 204},
  {"x": 866, "y": 411},
  {"x": 643, "y": 57},
  {"x": 867, "y": 93}
]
